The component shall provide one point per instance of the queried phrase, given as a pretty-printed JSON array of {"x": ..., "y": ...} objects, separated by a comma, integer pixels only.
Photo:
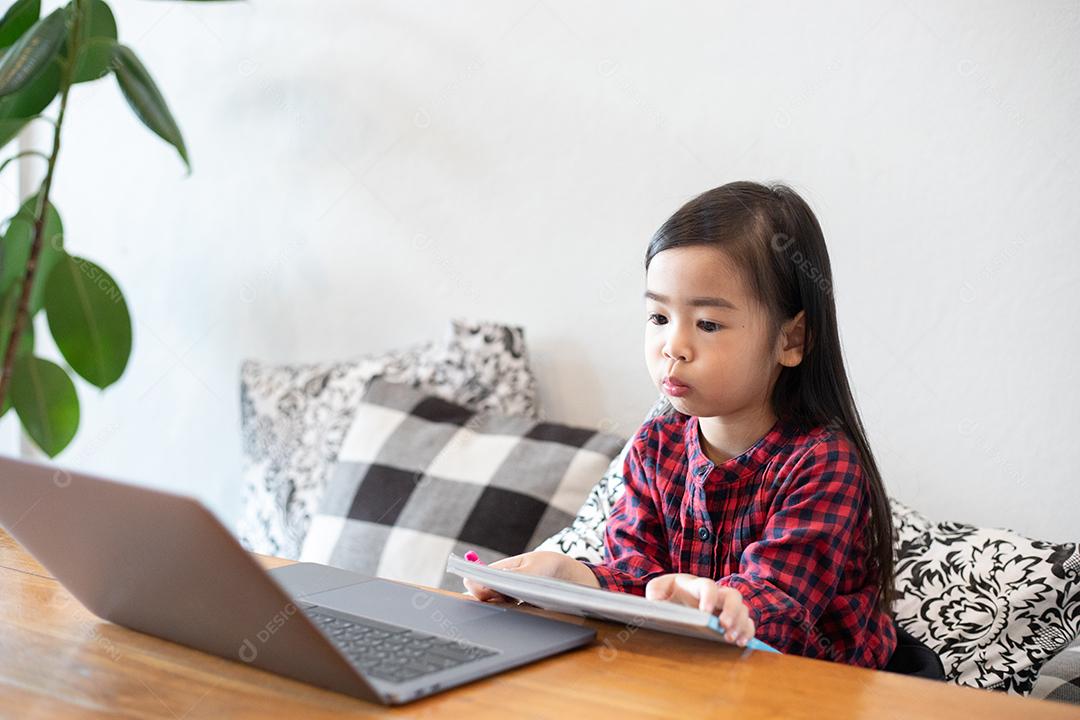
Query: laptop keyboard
[{"x": 391, "y": 652}]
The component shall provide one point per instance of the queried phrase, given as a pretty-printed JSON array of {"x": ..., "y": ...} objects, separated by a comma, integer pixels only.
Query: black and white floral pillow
[
  {"x": 294, "y": 417},
  {"x": 993, "y": 604}
]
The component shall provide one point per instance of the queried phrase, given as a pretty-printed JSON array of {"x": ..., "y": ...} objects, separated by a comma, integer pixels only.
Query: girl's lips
[{"x": 675, "y": 388}]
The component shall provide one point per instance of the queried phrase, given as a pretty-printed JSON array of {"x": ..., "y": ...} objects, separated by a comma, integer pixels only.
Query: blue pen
[{"x": 752, "y": 644}]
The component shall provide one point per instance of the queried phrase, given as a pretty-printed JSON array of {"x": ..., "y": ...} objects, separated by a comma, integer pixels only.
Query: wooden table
[{"x": 57, "y": 659}]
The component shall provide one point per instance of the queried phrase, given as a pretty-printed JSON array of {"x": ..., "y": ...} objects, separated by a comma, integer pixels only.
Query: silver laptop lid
[{"x": 162, "y": 564}]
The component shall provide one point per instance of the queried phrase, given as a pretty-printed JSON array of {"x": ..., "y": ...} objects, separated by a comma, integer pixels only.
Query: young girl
[{"x": 759, "y": 499}]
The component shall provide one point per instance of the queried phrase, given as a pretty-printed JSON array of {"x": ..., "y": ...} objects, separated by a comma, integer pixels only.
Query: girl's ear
[{"x": 793, "y": 340}]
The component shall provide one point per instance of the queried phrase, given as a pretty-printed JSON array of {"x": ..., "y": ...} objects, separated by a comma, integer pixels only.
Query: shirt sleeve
[
  {"x": 790, "y": 575},
  {"x": 635, "y": 546}
]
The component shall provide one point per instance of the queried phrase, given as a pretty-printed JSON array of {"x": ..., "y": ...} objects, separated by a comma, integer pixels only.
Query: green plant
[{"x": 86, "y": 312}]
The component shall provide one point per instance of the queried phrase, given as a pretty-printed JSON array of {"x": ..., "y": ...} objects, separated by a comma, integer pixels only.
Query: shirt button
[{"x": 703, "y": 533}]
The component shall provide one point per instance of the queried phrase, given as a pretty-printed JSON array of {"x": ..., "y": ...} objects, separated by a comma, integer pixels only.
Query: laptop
[{"x": 162, "y": 564}]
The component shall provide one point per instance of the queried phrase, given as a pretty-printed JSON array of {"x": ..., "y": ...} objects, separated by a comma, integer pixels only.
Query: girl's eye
[
  {"x": 709, "y": 326},
  {"x": 655, "y": 319}
]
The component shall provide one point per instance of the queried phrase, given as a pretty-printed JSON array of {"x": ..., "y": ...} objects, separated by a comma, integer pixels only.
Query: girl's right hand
[{"x": 539, "y": 562}]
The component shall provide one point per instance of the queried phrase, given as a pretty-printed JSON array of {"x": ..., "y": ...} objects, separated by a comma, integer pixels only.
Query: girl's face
[{"x": 706, "y": 333}]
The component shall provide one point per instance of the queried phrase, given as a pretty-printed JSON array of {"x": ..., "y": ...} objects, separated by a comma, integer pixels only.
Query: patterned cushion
[
  {"x": 418, "y": 477},
  {"x": 294, "y": 417},
  {"x": 993, "y": 604}
]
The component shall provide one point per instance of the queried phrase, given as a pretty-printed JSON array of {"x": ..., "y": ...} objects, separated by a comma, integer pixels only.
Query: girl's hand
[
  {"x": 704, "y": 594},
  {"x": 540, "y": 562}
]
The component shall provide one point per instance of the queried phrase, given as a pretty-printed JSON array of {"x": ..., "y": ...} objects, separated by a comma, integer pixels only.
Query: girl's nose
[
  {"x": 674, "y": 355},
  {"x": 674, "y": 350},
  {"x": 677, "y": 345}
]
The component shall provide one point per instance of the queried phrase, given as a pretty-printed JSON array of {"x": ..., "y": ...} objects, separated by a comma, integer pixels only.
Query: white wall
[{"x": 365, "y": 171}]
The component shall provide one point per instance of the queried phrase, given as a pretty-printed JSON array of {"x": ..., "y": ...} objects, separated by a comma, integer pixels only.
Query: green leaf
[
  {"x": 89, "y": 320},
  {"x": 32, "y": 52},
  {"x": 19, "y": 107},
  {"x": 16, "y": 250},
  {"x": 10, "y": 129},
  {"x": 97, "y": 37},
  {"x": 19, "y": 18},
  {"x": 35, "y": 96},
  {"x": 145, "y": 99},
  {"x": 45, "y": 399}
]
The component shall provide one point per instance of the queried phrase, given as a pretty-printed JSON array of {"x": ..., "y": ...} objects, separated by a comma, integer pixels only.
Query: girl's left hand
[{"x": 704, "y": 594}]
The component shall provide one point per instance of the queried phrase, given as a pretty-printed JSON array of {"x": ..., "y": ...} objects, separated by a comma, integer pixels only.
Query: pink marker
[{"x": 473, "y": 557}]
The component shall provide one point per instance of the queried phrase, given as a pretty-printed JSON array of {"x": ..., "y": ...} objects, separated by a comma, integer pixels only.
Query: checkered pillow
[
  {"x": 1059, "y": 679},
  {"x": 418, "y": 477}
]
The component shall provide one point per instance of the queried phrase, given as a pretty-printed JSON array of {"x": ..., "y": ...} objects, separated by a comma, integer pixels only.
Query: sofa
[{"x": 386, "y": 462}]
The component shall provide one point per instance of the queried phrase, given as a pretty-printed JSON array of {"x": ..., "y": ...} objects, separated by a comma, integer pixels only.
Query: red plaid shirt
[{"x": 786, "y": 524}]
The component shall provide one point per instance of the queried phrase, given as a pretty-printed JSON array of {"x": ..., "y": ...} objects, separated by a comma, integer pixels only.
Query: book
[{"x": 574, "y": 599}]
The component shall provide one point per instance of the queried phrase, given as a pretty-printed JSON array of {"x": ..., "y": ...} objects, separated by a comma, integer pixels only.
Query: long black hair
[{"x": 772, "y": 236}]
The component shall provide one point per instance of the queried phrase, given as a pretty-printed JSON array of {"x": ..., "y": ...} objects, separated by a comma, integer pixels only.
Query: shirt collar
[{"x": 702, "y": 468}]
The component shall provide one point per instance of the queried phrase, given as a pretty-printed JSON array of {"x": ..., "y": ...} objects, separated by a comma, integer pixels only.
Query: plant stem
[
  {"x": 24, "y": 153},
  {"x": 23, "y": 311}
]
